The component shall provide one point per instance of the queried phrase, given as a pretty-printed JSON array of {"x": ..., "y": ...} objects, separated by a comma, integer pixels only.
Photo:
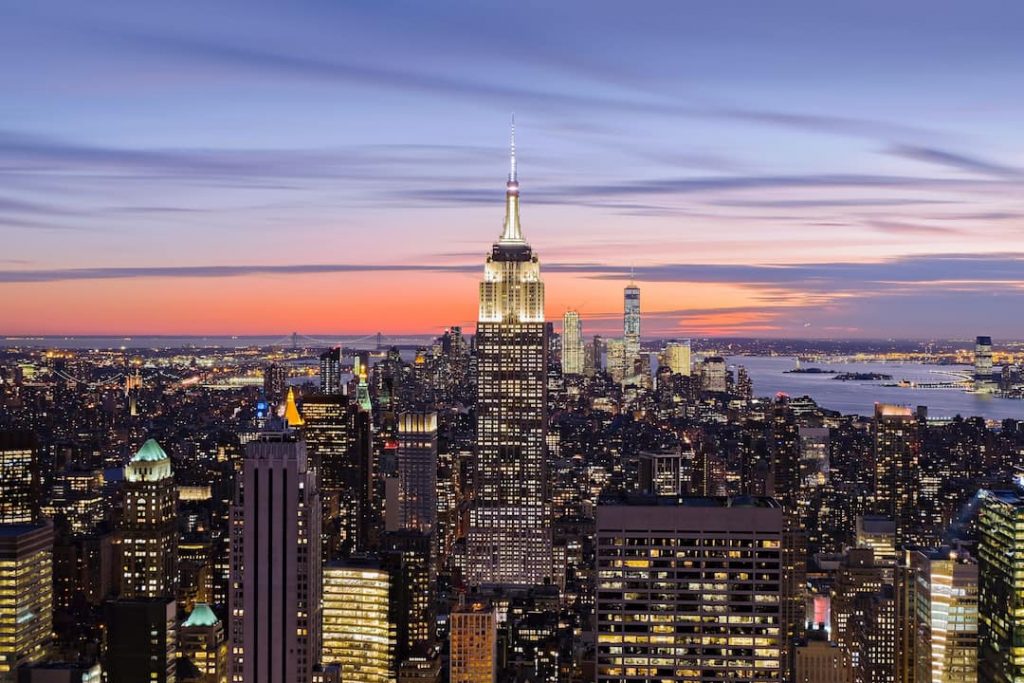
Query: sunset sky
[{"x": 787, "y": 169}]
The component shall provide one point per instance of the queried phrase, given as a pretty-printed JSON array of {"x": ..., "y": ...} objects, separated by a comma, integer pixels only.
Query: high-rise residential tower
[
  {"x": 330, "y": 371},
  {"x": 509, "y": 539},
  {"x": 149, "y": 529},
  {"x": 275, "y": 380},
  {"x": 897, "y": 469},
  {"x": 572, "y": 344},
  {"x": 275, "y": 563}
]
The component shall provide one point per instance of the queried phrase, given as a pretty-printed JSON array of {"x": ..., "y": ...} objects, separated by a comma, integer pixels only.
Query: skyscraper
[
  {"x": 941, "y": 592},
  {"x": 411, "y": 560},
  {"x": 983, "y": 382},
  {"x": 615, "y": 350},
  {"x": 275, "y": 563},
  {"x": 631, "y": 327},
  {"x": 677, "y": 357},
  {"x": 509, "y": 539},
  {"x": 275, "y": 378},
  {"x": 149, "y": 529},
  {"x": 339, "y": 440},
  {"x": 26, "y": 594},
  {"x": 19, "y": 477},
  {"x": 689, "y": 589},
  {"x": 357, "y": 630},
  {"x": 417, "y": 471},
  {"x": 330, "y": 371},
  {"x": 897, "y": 473},
  {"x": 714, "y": 374},
  {"x": 142, "y": 640},
  {"x": 1001, "y": 587},
  {"x": 474, "y": 644},
  {"x": 572, "y": 344}
]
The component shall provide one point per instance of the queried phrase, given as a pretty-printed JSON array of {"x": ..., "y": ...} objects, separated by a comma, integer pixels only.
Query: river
[{"x": 770, "y": 377}]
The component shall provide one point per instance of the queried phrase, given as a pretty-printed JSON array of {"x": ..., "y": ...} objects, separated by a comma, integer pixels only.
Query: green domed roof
[
  {"x": 202, "y": 615},
  {"x": 150, "y": 452}
]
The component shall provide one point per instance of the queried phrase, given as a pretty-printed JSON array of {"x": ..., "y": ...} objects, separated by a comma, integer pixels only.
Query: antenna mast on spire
[{"x": 512, "y": 169}]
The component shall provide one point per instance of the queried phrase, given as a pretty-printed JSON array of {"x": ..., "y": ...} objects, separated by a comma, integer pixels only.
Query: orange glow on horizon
[{"x": 363, "y": 303}]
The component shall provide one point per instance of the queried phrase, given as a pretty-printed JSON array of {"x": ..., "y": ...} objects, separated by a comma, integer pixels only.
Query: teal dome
[
  {"x": 202, "y": 615},
  {"x": 150, "y": 452}
]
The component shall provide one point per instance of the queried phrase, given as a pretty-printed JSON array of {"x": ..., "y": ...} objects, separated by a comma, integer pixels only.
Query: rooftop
[{"x": 690, "y": 501}]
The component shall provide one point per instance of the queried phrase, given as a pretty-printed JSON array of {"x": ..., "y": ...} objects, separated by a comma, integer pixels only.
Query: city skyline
[{"x": 760, "y": 178}]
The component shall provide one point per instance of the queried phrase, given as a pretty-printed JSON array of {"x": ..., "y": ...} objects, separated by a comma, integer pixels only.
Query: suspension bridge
[{"x": 369, "y": 342}]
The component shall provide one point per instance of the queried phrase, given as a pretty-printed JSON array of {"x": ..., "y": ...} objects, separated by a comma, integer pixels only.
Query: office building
[
  {"x": 814, "y": 464},
  {"x": 984, "y": 382},
  {"x": 60, "y": 672},
  {"x": 26, "y": 594},
  {"x": 874, "y": 636},
  {"x": 572, "y": 344},
  {"x": 631, "y": 328},
  {"x": 149, "y": 528},
  {"x": 411, "y": 559},
  {"x": 425, "y": 669},
  {"x": 339, "y": 439},
  {"x": 358, "y": 634},
  {"x": 819, "y": 661},
  {"x": 142, "y": 641},
  {"x": 327, "y": 431},
  {"x": 689, "y": 589},
  {"x": 878, "y": 533},
  {"x": 275, "y": 563},
  {"x": 596, "y": 347},
  {"x": 509, "y": 538},
  {"x": 202, "y": 641},
  {"x": 677, "y": 357},
  {"x": 939, "y": 589},
  {"x": 616, "y": 360},
  {"x": 330, "y": 372},
  {"x": 897, "y": 451},
  {"x": 19, "y": 477},
  {"x": 660, "y": 473},
  {"x": 714, "y": 374},
  {"x": 858, "y": 575},
  {"x": 474, "y": 644},
  {"x": 417, "y": 471},
  {"x": 1001, "y": 587}
]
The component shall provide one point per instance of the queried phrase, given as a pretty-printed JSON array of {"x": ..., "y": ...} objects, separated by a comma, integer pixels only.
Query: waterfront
[{"x": 769, "y": 376}]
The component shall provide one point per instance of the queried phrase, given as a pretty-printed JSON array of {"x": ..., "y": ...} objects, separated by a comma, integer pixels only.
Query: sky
[{"x": 775, "y": 169}]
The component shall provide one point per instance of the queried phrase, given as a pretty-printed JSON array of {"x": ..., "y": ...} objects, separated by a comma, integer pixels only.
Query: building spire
[
  {"x": 512, "y": 232},
  {"x": 512, "y": 171}
]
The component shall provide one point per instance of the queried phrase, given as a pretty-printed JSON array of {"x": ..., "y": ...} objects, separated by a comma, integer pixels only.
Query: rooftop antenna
[{"x": 512, "y": 170}]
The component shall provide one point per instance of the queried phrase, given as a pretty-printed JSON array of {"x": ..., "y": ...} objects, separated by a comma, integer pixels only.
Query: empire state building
[{"x": 509, "y": 540}]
